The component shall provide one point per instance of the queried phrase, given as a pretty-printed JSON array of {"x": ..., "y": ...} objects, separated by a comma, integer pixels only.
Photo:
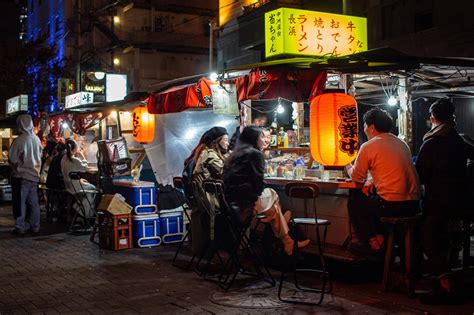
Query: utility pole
[
  {"x": 211, "y": 50},
  {"x": 78, "y": 45}
]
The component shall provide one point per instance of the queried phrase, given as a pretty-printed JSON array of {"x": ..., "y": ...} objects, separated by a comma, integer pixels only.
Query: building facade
[{"x": 150, "y": 41}]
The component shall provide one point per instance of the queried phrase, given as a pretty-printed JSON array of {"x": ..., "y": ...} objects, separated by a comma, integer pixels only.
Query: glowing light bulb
[
  {"x": 65, "y": 125},
  {"x": 280, "y": 109},
  {"x": 116, "y": 19},
  {"x": 116, "y": 61},
  {"x": 213, "y": 76},
  {"x": 392, "y": 101}
]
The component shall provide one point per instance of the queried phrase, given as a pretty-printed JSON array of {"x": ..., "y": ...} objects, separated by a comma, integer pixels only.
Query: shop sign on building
[
  {"x": 65, "y": 88},
  {"x": 94, "y": 82},
  {"x": 297, "y": 32},
  {"x": 224, "y": 99},
  {"x": 80, "y": 98},
  {"x": 17, "y": 104}
]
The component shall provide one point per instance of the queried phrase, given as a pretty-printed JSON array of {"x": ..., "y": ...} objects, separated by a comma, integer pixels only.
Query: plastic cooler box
[
  {"x": 172, "y": 227},
  {"x": 140, "y": 195},
  {"x": 146, "y": 230}
]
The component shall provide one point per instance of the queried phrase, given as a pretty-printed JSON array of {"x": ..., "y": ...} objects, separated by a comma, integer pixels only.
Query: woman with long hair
[
  {"x": 210, "y": 162},
  {"x": 74, "y": 161},
  {"x": 243, "y": 185}
]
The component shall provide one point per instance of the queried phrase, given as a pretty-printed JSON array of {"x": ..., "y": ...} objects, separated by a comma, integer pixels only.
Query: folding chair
[
  {"x": 230, "y": 215},
  {"x": 190, "y": 203},
  {"x": 306, "y": 192},
  {"x": 77, "y": 204}
]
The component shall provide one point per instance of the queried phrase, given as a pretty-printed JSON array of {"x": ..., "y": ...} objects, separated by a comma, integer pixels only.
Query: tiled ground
[{"x": 62, "y": 273}]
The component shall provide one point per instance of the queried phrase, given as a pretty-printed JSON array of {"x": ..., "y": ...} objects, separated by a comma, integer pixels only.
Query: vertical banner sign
[
  {"x": 311, "y": 33},
  {"x": 65, "y": 88},
  {"x": 224, "y": 99}
]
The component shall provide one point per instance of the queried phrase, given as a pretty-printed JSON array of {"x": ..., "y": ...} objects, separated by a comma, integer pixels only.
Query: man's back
[{"x": 389, "y": 161}]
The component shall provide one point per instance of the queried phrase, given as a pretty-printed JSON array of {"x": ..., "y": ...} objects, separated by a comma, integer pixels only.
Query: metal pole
[
  {"x": 211, "y": 35},
  {"x": 78, "y": 45},
  {"x": 344, "y": 7}
]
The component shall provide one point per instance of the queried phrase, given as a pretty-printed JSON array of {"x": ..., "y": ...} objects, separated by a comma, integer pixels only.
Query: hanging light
[
  {"x": 65, "y": 125},
  {"x": 213, "y": 76},
  {"x": 143, "y": 125},
  {"x": 334, "y": 129},
  {"x": 392, "y": 100},
  {"x": 280, "y": 108}
]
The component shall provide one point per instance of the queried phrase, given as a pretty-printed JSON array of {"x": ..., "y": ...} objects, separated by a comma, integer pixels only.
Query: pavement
[{"x": 54, "y": 272}]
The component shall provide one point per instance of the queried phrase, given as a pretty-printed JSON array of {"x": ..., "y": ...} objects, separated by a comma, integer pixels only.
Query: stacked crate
[
  {"x": 115, "y": 231},
  {"x": 146, "y": 223}
]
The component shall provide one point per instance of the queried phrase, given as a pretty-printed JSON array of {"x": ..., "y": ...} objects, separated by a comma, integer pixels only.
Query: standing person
[
  {"x": 74, "y": 161},
  {"x": 441, "y": 165},
  {"x": 258, "y": 120},
  {"x": 244, "y": 186},
  {"x": 24, "y": 157},
  {"x": 393, "y": 189}
]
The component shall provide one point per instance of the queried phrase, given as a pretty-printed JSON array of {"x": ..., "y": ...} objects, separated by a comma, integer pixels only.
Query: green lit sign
[{"x": 311, "y": 33}]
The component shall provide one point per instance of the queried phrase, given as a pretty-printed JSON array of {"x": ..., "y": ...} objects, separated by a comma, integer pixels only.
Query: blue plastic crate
[
  {"x": 141, "y": 196},
  {"x": 172, "y": 227},
  {"x": 146, "y": 230}
]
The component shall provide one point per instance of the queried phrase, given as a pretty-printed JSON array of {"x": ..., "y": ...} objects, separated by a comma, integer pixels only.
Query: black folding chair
[
  {"x": 190, "y": 203},
  {"x": 232, "y": 226},
  {"x": 306, "y": 192},
  {"x": 79, "y": 196}
]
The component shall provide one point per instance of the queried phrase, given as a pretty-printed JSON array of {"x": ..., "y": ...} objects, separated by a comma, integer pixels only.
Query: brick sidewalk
[{"x": 62, "y": 273}]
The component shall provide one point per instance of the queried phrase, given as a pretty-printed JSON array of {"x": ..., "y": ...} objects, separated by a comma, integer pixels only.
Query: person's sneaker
[
  {"x": 34, "y": 230},
  {"x": 15, "y": 231}
]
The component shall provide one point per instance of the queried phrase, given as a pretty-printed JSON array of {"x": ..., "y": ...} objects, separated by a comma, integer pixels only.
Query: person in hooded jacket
[
  {"x": 441, "y": 166},
  {"x": 24, "y": 157},
  {"x": 244, "y": 186}
]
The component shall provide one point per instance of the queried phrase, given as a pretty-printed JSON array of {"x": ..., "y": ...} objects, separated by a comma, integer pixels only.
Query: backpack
[{"x": 188, "y": 180}]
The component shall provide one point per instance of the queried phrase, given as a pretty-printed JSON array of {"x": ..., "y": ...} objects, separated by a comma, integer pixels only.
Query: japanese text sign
[
  {"x": 17, "y": 103},
  {"x": 80, "y": 98},
  {"x": 312, "y": 33}
]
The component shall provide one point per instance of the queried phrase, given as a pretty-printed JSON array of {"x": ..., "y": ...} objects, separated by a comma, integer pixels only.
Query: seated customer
[
  {"x": 397, "y": 187},
  {"x": 54, "y": 179},
  {"x": 243, "y": 184},
  {"x": 74, "y": 161}
]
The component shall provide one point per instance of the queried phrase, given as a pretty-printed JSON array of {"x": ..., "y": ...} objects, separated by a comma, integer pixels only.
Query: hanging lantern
[
  {"x": 334, "y": 129},
  {"x": 143, "y": 125}
]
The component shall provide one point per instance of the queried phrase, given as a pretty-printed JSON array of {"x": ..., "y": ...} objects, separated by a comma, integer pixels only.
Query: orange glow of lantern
[
  {"x": 143, "y": 125},
  {"x": 334, "y": 129}
]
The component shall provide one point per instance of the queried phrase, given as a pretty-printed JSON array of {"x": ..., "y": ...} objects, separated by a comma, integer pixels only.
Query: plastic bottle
[{"x": 281, "y": 138}]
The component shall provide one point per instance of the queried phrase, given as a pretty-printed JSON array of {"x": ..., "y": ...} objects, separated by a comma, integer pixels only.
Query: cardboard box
[{"x": 114, "y": 204}]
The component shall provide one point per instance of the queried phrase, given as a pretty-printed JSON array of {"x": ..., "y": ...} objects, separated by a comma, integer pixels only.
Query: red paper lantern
[
  {"x": 334, "y": 129},
  {"x": 143, "y": 125}
]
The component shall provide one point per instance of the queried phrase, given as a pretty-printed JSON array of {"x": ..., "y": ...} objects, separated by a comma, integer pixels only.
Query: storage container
[
  {"x": 140, "y": 195},
  {"x": 146, "y": 230},
  {"x": 172, "y": 227},
  {"x": 115, "y": 231}
]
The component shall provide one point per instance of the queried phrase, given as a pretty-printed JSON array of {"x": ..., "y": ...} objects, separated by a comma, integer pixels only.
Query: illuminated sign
[
  {"x": 312, "y": 33},
  {"x": 116, "y": 87},
  {"x": 80, "y": 98},
  {"x": 93, "y": 83},
  {"x": 17, "y": 103}
]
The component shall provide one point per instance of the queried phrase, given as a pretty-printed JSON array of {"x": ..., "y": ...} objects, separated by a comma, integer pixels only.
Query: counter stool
[
  {"x": 178, "y": 184},
  {"x": 407, "y": 226},
  {"x": 307, "y": 192}
]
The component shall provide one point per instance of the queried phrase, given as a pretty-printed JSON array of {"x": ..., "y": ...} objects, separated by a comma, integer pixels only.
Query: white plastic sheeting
[{"x": 176, "y": 135}]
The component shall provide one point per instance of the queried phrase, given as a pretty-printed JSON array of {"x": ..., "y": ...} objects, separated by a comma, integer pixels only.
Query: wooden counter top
[{"x": 331, "y": 184}]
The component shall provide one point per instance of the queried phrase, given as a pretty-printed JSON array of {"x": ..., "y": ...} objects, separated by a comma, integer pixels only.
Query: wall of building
[{"x": 425, "y": 27}]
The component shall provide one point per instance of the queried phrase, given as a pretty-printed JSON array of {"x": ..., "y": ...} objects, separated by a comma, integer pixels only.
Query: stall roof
[{"x": 131, "y": 101}]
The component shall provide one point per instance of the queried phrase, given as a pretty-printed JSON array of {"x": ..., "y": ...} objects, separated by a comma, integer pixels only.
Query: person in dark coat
[
  {"x": 244, "y": 186},
  {"x": 258, "y": 120},
  {"x": 441, "y": 166}
]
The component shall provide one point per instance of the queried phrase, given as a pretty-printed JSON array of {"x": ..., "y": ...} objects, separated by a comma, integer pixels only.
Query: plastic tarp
[{"x": 176, "y": 135}]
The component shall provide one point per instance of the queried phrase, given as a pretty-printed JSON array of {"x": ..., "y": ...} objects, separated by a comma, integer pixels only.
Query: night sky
[{"x": 9, "y": 22}]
